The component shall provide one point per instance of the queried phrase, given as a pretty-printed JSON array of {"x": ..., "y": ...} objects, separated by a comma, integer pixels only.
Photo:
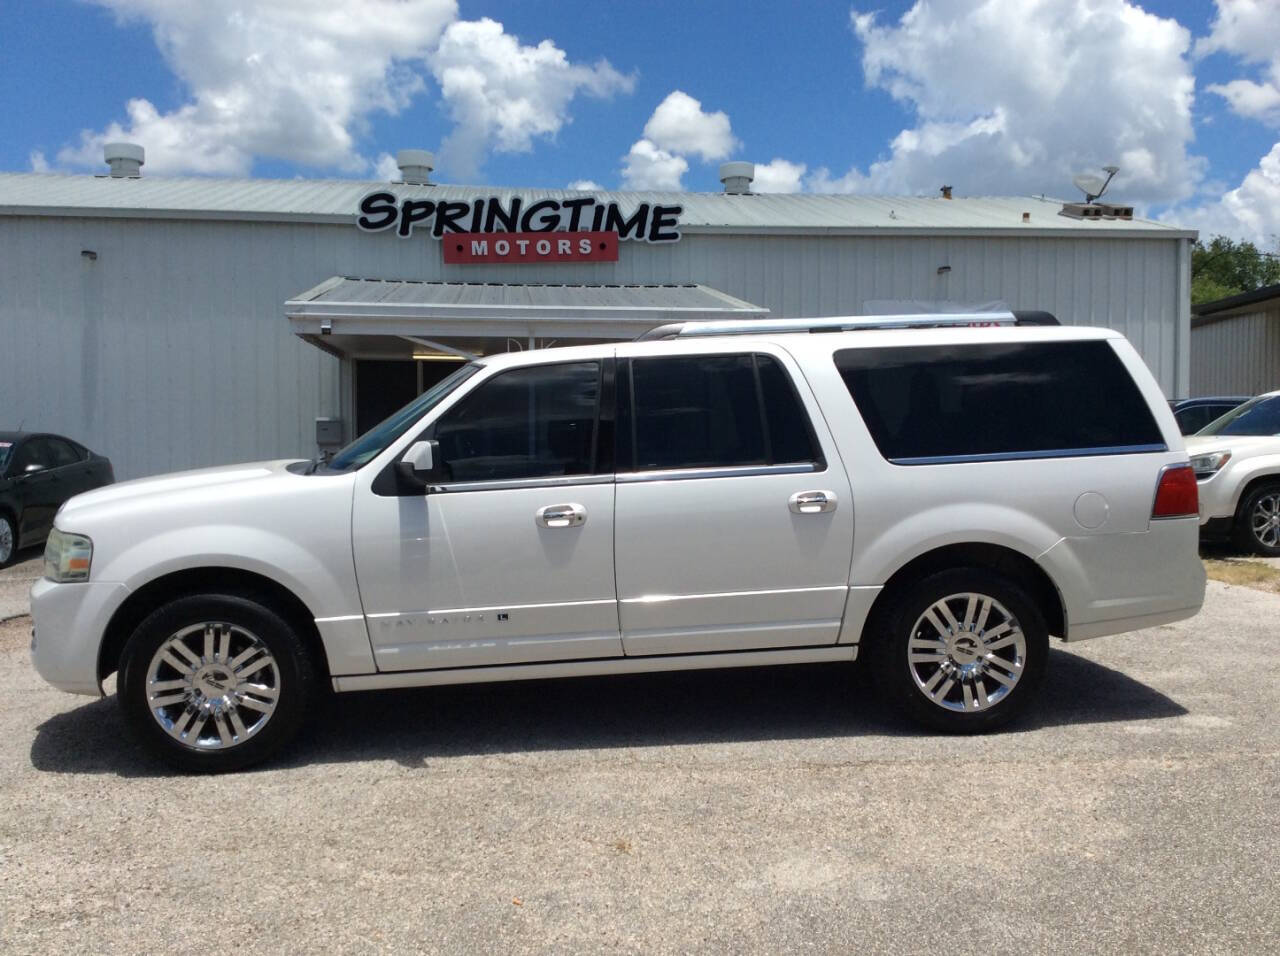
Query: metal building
[
  {"x": 179, "y": 322},
  {"x": 1235, "y": 344}
]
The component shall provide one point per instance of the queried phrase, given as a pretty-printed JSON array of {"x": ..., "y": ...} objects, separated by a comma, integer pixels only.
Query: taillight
[{"x": 1176, "y": 495}]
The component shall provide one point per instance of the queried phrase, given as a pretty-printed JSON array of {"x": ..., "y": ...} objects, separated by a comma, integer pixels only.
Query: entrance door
[
  {"x": 510, "y": 559},
  {"x": 383, "y": 386},
  {"x": 734, "y": 518}
]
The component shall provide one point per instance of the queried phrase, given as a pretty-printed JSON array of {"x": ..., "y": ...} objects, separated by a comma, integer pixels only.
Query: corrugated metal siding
[
  {"x": 172, "y": 350},
  {"x": 169, "y": 351},
  {"x": 1239, "y": 355}
]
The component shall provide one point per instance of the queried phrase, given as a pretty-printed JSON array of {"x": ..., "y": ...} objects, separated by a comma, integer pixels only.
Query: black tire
[
  {"x": 290, "y": 673},
  {"x": 1245, "y": 534},
  {"x": 8, "y": 533},
  {"x": 899, "y": 680}
]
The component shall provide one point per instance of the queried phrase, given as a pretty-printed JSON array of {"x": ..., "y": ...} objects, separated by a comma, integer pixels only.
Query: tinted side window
[
  {"x": 714, "y": 411},
  {"x": 64, "y": 453},
  {"x": 34, "y": 451},
  {"x": 533, "y": 422},
  {"x": 1034, "y": 398},
  {"x": 790, "y": 435}
]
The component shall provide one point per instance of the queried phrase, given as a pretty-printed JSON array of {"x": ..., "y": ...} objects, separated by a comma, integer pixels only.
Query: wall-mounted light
[
  {"x": 89, "y": 254},
  {"x": 437, "y": 357},
  {"x": 943, "y": 270}
]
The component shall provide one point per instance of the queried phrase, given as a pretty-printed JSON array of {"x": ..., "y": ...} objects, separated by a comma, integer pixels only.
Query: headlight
[
  {"x": 1209, "y": 464},
  {"x": 67, "y": 557}
]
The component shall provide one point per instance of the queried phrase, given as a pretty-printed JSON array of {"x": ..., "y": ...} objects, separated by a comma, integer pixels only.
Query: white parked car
[
  {"x": 1237, "y": 464},
  {"x": 934, "y": 502}
]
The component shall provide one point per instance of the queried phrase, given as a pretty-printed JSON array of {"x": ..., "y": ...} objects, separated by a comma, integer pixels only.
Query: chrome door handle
[
  {"x": 812, "y": 502},
  {"x": 560, "y": 516}
]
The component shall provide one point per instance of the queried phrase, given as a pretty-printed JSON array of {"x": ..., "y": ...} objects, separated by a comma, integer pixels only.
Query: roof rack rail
[{"x": 847, "y": 323}]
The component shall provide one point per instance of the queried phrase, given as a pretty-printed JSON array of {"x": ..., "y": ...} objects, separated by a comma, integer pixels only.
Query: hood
[
  {"x": 178, "y": 483},
  {"x": 1236, "y": 444}
]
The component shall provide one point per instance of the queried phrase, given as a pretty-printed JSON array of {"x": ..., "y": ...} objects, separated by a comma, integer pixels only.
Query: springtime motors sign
[{"x": 579, "y": 229}]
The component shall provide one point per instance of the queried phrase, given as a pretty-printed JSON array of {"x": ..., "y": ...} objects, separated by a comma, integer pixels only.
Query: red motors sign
[{"x": 464, "y": 248}]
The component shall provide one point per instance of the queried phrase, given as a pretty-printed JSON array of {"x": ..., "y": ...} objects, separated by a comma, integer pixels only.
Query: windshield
[
  {"x": 1258, "y": 416},
  {"x": 369, "y": 445}
]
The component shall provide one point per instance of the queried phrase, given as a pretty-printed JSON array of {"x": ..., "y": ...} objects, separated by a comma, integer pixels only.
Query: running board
[{"x": 611, "y": 665}]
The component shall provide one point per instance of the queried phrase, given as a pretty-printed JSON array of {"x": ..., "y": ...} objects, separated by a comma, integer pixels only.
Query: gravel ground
[
  {"x": 746, "y": 811},
  {"x": 16, "y": 581}
]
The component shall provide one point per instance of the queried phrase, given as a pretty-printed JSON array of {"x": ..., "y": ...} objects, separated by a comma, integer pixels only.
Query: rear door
[
  {"x": 72, "y": 466},
  {"x": 734, "y": 517},
  {"x": 40, "y": 487}
]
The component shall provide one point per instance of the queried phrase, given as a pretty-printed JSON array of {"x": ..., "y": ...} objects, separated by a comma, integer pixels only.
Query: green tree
[{"x": 1224, "y": 267}]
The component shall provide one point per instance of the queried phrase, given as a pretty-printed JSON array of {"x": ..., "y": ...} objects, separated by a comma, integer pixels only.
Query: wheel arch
[
  {"x": 1267, "y": 477},
  {"x": 207, "y": 580},
  {"x": 1005, "y": 560}
]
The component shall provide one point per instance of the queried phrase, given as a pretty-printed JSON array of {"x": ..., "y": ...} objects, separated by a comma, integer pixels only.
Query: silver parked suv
[{"x": 933, "y": 496}]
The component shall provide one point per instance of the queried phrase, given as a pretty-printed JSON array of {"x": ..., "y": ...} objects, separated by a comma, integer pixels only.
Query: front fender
[{"x": 325, "y": 586}]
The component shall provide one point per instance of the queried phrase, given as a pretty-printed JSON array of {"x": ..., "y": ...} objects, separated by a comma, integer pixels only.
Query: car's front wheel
[
  {"x": 960, "y": 651},
  {"x": 1257, "y": 524},
  {"x": 215, "y": 682}
]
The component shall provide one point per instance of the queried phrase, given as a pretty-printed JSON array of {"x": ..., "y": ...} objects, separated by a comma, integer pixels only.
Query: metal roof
[
  {"x": 342, "y": 309},
  {"x": 1207, "y": 312},
  {"x": 336, "y": 200}
]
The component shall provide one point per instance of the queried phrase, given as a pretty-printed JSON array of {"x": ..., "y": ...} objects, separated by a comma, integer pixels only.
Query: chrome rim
[
  {"x": 6, "y": 540},
  {"x": 967, "y": 652},
  {"x": 213, "y": 686},
  {"x": 1265, "y": 520}
]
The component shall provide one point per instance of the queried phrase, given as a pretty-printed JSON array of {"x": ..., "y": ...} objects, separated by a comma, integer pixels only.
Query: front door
[
  {"x": 510, "y": 559},
  {"x": 734, "y": 518}
]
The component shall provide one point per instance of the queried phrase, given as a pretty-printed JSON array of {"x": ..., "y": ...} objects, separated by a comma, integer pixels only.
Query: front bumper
[
  {"x": 68, "y": 622},
  {"x": 1217, "y": 497}
]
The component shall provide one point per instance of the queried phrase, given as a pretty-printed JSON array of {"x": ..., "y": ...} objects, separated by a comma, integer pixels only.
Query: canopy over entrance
[{"x": 383, "y": 318}]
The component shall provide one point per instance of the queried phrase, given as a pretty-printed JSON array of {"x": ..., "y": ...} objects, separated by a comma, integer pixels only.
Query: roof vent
[
  {"x": 737, "y": 177},
  {"x": 415, "y": 166},
  {"x": 125, "y": 159}
]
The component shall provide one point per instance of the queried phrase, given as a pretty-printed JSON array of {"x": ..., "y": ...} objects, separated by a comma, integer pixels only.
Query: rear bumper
[
  {"x": 68, "y": 621},
  {"x": 1112, "y": 583}
]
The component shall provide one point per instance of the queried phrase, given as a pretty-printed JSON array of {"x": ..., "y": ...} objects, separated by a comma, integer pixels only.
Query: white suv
[
  {"x": 937, "y": 501},
  {"x": 1237, "y": 463}
]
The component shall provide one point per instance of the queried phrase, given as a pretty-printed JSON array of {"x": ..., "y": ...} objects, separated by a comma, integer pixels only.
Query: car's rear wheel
[
  {"x": 8, "y": 540},
  {"x": 1257, "y": 524},
  {"x": 960, "y": 651},
  {"x": 215, "y": 682}
]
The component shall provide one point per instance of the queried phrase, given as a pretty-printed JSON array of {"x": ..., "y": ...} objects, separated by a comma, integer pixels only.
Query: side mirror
[
  {"x": 32, "y": 468},
  {"x": 419, "y": 465}
]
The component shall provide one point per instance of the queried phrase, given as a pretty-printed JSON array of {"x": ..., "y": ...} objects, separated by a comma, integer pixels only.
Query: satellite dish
[{"x": 1094, "y": 186}]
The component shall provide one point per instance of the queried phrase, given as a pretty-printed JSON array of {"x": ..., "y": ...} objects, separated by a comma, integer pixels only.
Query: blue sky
[{"x": 991, "y": 96}]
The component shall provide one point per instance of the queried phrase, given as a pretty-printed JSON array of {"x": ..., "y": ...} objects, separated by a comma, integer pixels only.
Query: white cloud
[
  {"x": 585, "y": 185},
  {"x": 39, "y": 164},
  {"x": 1015, "y": 96},
  {"x": 679, "y": 125},
  {"x": 503, "y": 94},
  {"x": 300, "y": 80},
  {"x": 778, "y": 176},
  {"x": 1250, "y": 31},
  {"x": 1250, "y": 211},
  {"x": 648, "y": 167},
  {"x": 291, "y": 79},
  {"x": 386, "y": 168}
]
